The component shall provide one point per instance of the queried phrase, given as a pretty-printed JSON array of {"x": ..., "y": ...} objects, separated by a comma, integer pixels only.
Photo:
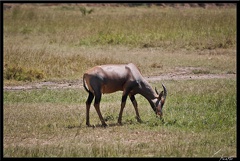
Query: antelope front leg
[
  {"x": 120, "y": 113},
  {"x": 134, "y": 102},
  {"x": 123, "y": 103}
]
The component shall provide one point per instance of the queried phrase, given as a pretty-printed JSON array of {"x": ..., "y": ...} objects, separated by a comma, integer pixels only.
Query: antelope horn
[
  {"x": 165, "y": 91},
  {"x": 156, "y": 91}
]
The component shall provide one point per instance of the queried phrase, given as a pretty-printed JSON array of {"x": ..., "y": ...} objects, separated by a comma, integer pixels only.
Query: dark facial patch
[
  {"x": 162, "y": 101},
  {"x": 159, "y": 108}
]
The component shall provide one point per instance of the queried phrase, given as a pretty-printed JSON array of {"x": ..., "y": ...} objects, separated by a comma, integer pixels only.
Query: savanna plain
[{"x": 59, "y": 42}]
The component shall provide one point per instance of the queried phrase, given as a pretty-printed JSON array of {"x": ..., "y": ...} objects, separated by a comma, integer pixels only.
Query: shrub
[{"x": 84, "y": 11}]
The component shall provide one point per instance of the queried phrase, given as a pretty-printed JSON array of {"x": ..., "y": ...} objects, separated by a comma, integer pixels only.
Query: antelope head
[{"x": 160, "y": 101}]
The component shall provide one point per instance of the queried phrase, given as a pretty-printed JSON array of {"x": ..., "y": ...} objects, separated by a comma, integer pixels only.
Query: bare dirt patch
[
  {"x": 187, "y": 73},
  {"x": 180, "y": 73}
]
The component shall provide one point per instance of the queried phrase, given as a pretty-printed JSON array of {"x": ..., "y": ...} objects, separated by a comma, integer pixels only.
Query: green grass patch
[{"x": 199, "y": 120}]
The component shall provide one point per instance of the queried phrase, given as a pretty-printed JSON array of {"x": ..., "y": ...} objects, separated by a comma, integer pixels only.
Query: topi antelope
[{"x": 122, "y": 77}]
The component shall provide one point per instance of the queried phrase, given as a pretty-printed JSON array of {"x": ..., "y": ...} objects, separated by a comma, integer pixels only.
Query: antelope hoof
[
  {"x": 139, "y": 120},
  {"x": 120, "y": 123},
  {"x": 104, "y": 125},
  {"x": 89, "y": 125}
]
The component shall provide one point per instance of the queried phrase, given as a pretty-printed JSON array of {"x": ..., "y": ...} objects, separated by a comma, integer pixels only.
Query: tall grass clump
[{"x": 20, "y": 74}]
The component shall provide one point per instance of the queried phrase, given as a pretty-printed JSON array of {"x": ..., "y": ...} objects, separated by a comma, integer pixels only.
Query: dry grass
[
  {"x": 70, "y": 63},
  {"x": 59, "y": 42}
]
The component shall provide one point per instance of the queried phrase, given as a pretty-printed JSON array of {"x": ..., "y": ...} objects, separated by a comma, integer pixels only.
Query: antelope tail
[{"x": 84, "y": 84}]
